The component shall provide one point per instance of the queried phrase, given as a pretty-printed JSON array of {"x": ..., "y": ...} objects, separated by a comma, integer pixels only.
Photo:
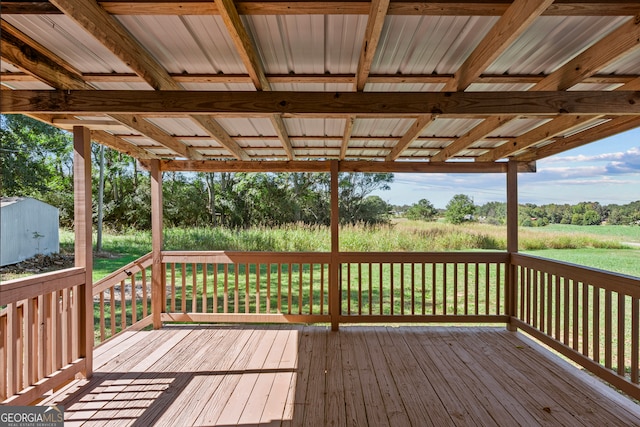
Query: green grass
[{"x": 624, "y": 261}]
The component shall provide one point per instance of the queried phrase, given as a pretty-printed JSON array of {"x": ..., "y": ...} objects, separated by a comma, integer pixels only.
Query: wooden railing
[
  {"x": 122, "y": 300},
  {"x": 588, "y": 315},
  {"x": 423, "y": 287},
  {"x": 246, "y": 287},
  {"x": 40, "y": 330}
]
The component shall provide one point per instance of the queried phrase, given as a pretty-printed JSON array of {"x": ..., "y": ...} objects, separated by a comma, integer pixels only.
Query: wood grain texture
[{"x": 374, "y": 104}]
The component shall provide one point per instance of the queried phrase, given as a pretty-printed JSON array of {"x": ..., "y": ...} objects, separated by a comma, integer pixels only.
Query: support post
[
  {"x": 158, "y": 305},
  {"x": 83, "y": 248},
  {"x": 512, "y": 238},
  {"x": 334, "y": 266}
]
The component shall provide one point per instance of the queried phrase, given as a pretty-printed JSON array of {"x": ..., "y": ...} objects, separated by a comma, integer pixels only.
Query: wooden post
[
  {"x": 83, "y": 241},
  {"x": 512, "y": 237},
  {"x": 157, "y": 278},
  {"x": 334, "y": 266}
]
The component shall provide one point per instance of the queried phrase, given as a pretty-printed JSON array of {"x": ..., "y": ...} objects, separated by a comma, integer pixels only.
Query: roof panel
[
  {"x": 307, "y": 44},
  {"x": 194, "y": 44},
  {"x": 428, "y": 44},
  {"x": 247, "y": 127},
  {"x": 552, "y": 41},
  {"x": 69, "y": 41},
  {"x": 404, "y": 87},
  {"x": 628, "y": 64},
  {"x": 178, "y": 126},
  {"x": 315, "y": 127},
  {"x": 450, "y": 127},
  {"x": 313, "y": 87}
]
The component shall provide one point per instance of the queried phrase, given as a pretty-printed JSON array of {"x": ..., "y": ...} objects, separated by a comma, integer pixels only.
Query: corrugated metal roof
[
  {"x": 381, "y": 127},
  {"x": 247, "y": 127},
  {"x": 308, "y": 44},
  {"x": 176, "y": 126},
  {"x": 450, "y": 127},
  {"x": 568, "y": 37},
  {"x": 428, "y": 44},
  {"x": 195, "y": 44}
]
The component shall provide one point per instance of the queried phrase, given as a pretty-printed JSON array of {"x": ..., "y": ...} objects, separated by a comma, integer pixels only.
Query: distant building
[{"x": 27, "y": 227}]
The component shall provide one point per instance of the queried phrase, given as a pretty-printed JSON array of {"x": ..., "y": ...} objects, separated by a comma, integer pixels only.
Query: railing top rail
[
  {"x": 419, "y": 257},
  {"x": 122, "y": 273},
  {"x": 29, "y": 287},
  {"x": 232, "y": 257},
  {"x": 628, "y": 285}
]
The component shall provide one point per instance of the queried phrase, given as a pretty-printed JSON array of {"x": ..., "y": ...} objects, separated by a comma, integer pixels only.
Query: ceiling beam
[
  {"x": 119, "y": 144},
  {"x": 372, "y": 33},
  {"x": 509, "y": 27},
  {"x": 346, "y": 136},
  {"x": 563, "y": 124},
  {"x": 618, "y": 42},
  {"x": 612, "y": 127},
  {"x": 411, "y": 135},
  {"x": 376, "y": 104},
  {"x": 293, "y": 7},
  {"x": 480, "y": 131},
  {"x": 252, "y": 63},
  {"x": 344, "y": 166}
]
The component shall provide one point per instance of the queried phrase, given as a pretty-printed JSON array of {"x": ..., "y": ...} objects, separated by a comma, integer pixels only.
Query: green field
[{"x": 612, "y": 248}]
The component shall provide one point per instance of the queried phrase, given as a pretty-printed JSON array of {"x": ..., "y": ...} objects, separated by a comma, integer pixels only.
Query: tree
[
  {"x": 423, "y": 210},
  {"x": 459, "y": 209},
  {"x": 591, "y": 217},
  {"x": 353, "y": 188}
]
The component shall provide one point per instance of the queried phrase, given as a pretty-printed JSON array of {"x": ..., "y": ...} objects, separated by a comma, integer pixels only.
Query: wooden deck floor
[{"x": 360, "y": 376}]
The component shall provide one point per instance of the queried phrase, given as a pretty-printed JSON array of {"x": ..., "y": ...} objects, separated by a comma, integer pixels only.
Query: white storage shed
[{"x": 27, "y": 227}]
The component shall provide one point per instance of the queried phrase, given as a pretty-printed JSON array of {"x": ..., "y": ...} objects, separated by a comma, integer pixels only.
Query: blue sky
[{"x": 606, "y": 171}]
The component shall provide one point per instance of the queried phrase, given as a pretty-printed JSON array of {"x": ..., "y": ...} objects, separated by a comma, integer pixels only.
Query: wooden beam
[
  {"x": 217, "y": 132},
  {"x": 281, "y": 130},
  {"x": 343, "y": 166},
  {"x": 608, "y": 49},
  {"x": 515, "y": 20},
  {"x": 377, "y": 104},
  {"x": 541, "y": 133},
  {"x": 411, "y": 135},
  {"x": 29, "y": 59},
  {"x": 83, "y": 213},
  {"x": 614, "y": 126},
  {"x": 377, "y": 13},
  {"x": 152, "y": 131},
  {"x": 119, "y": 144},
  {"x": 346, "y": 136},
  {"x": 297, "y": 7},
  {"x": 480, "y": 131},
  {"x": 512, "y": 238}
]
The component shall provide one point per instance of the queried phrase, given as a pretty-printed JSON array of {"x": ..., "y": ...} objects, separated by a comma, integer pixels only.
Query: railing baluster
[
  {"x": 596, "y": 324},
  {"x": 635, "y": 339},
  {"x": 424, "y": 287},
  {"x": 380, "y": 286},
  {"x": 433, "y": 287},
  {"x": 413, "y": 288},
  {"x": 123, "y": 306},
  {"x": 402, "y": 289},
  {"x": 360, "y": 288},
  {"x": 102, "y": 329},
  {"x": 575, "y": 315},
  {"x": 391, "y": 290},
  {"x": 498, "y": 303},
  {"x": 621, "y": 333},
  {"x": 268, "y": 305},
  {"x": 487, "y": 282},
  {"x": 173, "y": 287},
  {"x": 226, "y": 289},
  {"x": 204, "y": 287},
  {"x": 444, "y": 288},
  {"x": 466, "y": 288},
  {"x": 585, "y": 318},
  {"x": 557, "y": 308},
  {"x": 279, "y": 288},
  {"x": 258, "y": 288},
  {"x": 183, "y": 271},
  {"x": 236, "y": 291},
  {"x": 134, "y": 297},
  {"x": 4, "y": 354},
  {"x": 143, "y": 279},
  {"x": 370, "y": 266},
  {"x": 112, "y": 303},
  {"x": 289, "y": 296},
  {"x": 608, "y": 320},
  {"x": 194, "y": 288},
  {"x": 566, "y": 301},
  {"x": 247, "y": 301},
  {"x": 300, "y": 288},
  {"x": 543, "y": 301},
  {"x": 215, "y": 288},
  {"x": 476, "y": 296}
]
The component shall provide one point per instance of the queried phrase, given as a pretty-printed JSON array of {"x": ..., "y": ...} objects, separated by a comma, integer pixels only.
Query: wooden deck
[{"x": 367, "y": 376}]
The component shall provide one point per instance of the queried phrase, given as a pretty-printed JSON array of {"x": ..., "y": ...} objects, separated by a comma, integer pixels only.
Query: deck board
[{"x": 193, "y": 375}]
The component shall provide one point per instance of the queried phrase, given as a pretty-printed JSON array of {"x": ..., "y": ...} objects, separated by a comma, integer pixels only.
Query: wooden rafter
[
  {"x": 372, "y": 33},
  {"x": 509, "y": 27},
  {"x": 411, "y": 135},
  {"x": 96, "y": 21},
  {"x": 245, "y": 48},
  {"x": 119, "y": 144},
  {"x": 541, "y": 133},
  {"x": 614, "y": 126},
  {"x": 56, "y": 75},
  {"x": 346, "y": 136},
  {"x": 478, "y": 132},
  {"x": 293, "y": 7},
  {"x": 370, "y": 104},
  {"x": 620, "y": 41}
]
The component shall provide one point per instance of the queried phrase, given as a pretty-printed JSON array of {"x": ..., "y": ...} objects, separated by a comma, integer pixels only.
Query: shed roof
[{"x": 472, "y": 82}]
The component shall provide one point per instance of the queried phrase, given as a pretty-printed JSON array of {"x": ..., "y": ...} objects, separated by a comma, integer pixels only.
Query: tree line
[
  {"x": 36, "y": 160},
  {"x": 461, "y": 208}
]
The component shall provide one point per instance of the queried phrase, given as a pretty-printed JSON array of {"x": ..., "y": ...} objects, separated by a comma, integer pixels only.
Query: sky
[{"x": 605, "y": 171}]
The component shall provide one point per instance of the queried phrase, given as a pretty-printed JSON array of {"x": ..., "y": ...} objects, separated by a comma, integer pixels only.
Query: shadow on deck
[{"x": 306, "y": 375}]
